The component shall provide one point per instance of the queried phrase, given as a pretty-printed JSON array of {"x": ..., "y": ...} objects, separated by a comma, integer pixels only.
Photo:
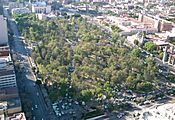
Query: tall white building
[{"x": 3, "y": 31}]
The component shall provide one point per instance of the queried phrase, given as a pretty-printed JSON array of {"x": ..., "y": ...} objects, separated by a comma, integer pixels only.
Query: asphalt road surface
[{"x": 39, "y": 108}]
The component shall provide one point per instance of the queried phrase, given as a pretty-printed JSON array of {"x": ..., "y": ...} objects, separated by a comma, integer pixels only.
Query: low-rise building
[
  {"x": 130, "y": 26},
  {"x": 10, "y": 102},
  {"x": 17, "y": 116},
  {"x": 171, "y": 10},
  {"x": 13, "y": 105},
  {"x": 158, "y": 23},
  {"x": 23, "y": 10},
  {"x": 15, "y": 5},
  {"x": 10, "y": 106},
  {"x": 41, "y": 16},
  {"x": 41, "y": 7},
  {"x": 45, "y": 17}
]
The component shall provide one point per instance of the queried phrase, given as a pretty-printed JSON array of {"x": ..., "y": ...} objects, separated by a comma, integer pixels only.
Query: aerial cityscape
[{"x": 87, "y": 59}]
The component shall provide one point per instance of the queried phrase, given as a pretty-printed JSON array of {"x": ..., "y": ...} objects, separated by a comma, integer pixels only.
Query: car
[
  {"x": 76, "y": 103},
  {"x": 32, "y": 108},
  {"x": 63, "y": 106},
  {"x": 66, "y": 94},
  {"x": 37, "y": 94},
  {"x": 62, "y": 112},
  {"x": 60, "y": 101},
  {"x": 33, "y": 117},
  {"x": 59, "y": 114},
  {"x": 69, "y": 97},
  {"x": 70, "y": 112},
  {"x": 57, "y": 108},
  {"x": 36, "y": 106},
  {"x": 66, "y": 107}
]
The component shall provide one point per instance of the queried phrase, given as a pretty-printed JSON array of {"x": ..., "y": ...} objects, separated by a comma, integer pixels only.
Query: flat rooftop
[
  {"x": 13, "y": 103},
  {"x": 10, "y": 103},
  {"x": 17, "y": 116}
]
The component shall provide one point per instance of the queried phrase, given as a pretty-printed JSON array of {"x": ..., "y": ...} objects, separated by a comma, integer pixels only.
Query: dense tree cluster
[{"x": 100, "y": 65}]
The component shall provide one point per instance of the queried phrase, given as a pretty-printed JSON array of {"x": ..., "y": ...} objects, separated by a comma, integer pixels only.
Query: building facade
[
  {"x": 41, "y": 7},
  {"x": 7, "y": 78},
  {"x": 20, "y": 11},
  {"x": 3, "y": 31},
  {"x": 7, "y": 72},
  {"x": 158, "y": 23},
  {"x": 15, "y": 5}
]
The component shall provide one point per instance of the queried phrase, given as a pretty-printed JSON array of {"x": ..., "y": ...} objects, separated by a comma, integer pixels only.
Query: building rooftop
[
  {"x": 40, "y": 4},
  {"x": 128, "y": 24},
  {"x": 17, "y": 116},
  {"x": 13, "y": 103},
  {"x": 3, "y": 105},
  {"x": 10, "y": 103},
  {"x": 162, "y": 112}
]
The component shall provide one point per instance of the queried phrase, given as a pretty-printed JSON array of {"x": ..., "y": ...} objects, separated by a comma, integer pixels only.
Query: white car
[
  {"x": 62, "y": 112},
  {"x": 59, "y": 114},
  {"x": 36, "y": 106}
]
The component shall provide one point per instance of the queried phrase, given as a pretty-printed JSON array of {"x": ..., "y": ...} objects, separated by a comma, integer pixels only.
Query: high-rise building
[
  {"x": 7, "y": 72},
  {"x": 3, "y": 31}
]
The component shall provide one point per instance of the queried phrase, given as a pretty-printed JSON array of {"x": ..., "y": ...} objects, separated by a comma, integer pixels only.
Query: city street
[{"x": 39, "y": 108}]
